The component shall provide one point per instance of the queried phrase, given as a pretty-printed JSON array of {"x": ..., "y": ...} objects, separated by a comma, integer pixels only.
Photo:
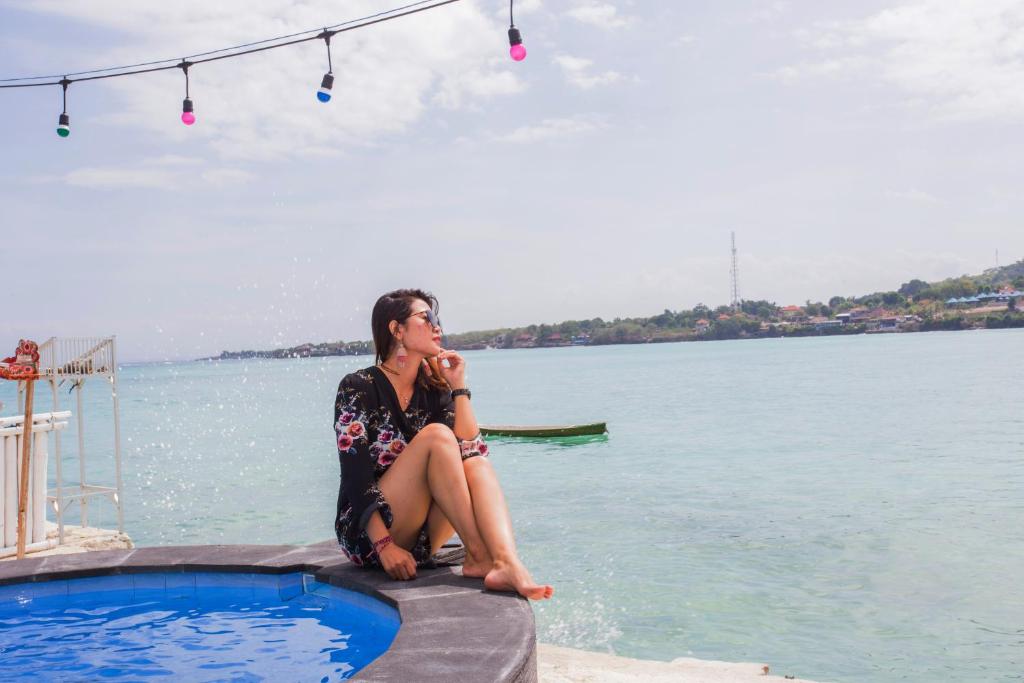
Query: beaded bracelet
[{"x": 381, "y": 543}]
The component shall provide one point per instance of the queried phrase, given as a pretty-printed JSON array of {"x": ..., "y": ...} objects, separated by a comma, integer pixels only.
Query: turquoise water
[
  {"x": 842, "y": 508},
  {"x": 202, "y": 626}
]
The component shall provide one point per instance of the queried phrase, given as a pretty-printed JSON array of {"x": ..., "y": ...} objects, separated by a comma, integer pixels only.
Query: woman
[{"x": 414, "y": 468}]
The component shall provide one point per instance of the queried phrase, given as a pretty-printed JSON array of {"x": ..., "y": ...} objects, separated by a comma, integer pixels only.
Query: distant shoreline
[
  {"x": 985, "y": 301},
  {"x": 310, "y": 351}
]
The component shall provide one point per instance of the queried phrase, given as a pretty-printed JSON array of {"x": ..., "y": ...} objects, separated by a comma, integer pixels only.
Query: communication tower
[{"x": 735, "y": 277}]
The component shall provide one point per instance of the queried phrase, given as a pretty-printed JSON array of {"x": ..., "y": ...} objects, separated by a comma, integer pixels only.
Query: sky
[{"x": 851, "y": 146}]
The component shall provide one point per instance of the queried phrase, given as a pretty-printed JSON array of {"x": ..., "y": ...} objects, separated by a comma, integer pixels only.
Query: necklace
[{"x": 403, "y": 398}]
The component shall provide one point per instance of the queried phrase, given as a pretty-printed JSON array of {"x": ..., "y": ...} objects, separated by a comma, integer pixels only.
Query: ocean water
[{"x": 841, "y": 508}]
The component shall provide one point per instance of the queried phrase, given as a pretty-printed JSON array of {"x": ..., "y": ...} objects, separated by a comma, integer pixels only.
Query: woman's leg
[
  {"x": 430, "y": 469},
  {"x": 495, "y": 525},
  {"x": 439, "y": 528}
]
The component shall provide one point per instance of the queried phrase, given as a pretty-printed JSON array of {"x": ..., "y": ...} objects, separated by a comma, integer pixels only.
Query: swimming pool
[
  {"x": 451, "y": 628},
  {"x": 192, "y": 626}
]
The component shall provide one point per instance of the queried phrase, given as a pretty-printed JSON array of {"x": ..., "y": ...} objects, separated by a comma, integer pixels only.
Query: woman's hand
[
  {"x": 455, "y": 372},
  {"x": 397, "y": 562}
]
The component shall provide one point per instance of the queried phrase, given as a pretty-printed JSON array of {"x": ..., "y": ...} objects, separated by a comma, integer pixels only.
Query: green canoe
[{"x": 545, "y": 430}]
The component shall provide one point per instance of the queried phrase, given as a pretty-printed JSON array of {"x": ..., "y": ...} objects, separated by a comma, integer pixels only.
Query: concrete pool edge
[{"x": 451, "y": 629}]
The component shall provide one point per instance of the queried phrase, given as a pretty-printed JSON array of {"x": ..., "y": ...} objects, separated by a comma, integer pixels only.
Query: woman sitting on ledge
[{"x": 414, "y": 467}]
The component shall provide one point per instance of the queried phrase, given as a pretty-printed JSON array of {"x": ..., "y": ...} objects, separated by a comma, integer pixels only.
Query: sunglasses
[{"x": 429, "y": 316}]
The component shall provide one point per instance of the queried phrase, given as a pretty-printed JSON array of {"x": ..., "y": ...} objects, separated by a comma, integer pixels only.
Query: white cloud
[
  {"x": 170, "y": 173},
  {"x": 118, "y": 178},
  {"x": 549, "y": 129},
  {"x": 222, "y": 177},
  {"x": 173, "y": 160},
  {"x": 769, "y": 11},
  {"x": 522, "y": 7},
  {"x": 830, "y": 67},
  {"x": 961, "y": 60},
  {"x": 602, "y": 15},
  {"x": 458, "y": 89},
  {"x": 914, "y": 195},
  {"x": 263, "y": 106},
  {"x": 577, "y": 72}
]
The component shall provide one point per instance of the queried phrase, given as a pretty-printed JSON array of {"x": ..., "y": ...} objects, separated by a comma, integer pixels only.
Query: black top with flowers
[{"x": 372, "y": 431}]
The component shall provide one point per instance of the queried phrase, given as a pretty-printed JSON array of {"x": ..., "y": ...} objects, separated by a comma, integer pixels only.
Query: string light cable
[
  {"x": 172, "y": 62},
  {"x": 188, "y": 107}
]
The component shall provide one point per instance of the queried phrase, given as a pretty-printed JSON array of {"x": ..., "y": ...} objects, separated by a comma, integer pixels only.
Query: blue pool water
[{"x": 190, "y": 627}]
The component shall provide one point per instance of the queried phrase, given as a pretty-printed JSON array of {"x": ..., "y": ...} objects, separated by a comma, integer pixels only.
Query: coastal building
[
  {"x": 525, "y": 340},
  {"x": 792, "y": 312},
  {"x": 558, "y": 339},
  {"x": 821, "y": 323},
  {"x": 1004, "y": 295},
  {"x": 963, "y": 301},
  {"x": 302, "y": 351},
  {"x": 702, "y": 326}
]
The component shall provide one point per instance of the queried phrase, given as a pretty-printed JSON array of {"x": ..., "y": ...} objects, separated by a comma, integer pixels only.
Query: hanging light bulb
[
  {"x": 517, "y": 50},
  {"x": 64, "y": 121},
  {"x": 188, "y": 116},
  {"x": 324, "y": 93}
]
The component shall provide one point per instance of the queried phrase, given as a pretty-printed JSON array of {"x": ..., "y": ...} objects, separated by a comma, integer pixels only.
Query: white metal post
[
  {"x": 117, "y": 434},
  {"x": 83, "y": 502},
  {"x": 60, "y": 471}
]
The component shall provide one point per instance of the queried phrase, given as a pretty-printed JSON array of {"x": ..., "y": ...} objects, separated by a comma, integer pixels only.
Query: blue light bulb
[{"x": 324, "y": 93}]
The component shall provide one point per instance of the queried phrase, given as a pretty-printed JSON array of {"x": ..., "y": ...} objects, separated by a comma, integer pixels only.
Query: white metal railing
[
  {"x": 11, "y": 435},
  {"x": 76, "y": 357}
]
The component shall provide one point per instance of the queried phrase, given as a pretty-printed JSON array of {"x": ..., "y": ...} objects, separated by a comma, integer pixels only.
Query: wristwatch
[{"x": 462, "y": 392}]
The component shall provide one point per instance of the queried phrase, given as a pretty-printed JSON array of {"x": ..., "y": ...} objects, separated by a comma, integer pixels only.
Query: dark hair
[{"x": 397, "y": 305}]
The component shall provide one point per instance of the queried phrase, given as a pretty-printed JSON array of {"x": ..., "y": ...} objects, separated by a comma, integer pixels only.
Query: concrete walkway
[
  {"x": 565, "y": 665},
  {"x": 82, "y": 539}
]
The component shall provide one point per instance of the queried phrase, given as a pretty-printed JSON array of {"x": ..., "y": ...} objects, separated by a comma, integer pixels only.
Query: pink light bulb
[
  {"x": 518, "y": 52},
  {"x": 188, "y": 118}
]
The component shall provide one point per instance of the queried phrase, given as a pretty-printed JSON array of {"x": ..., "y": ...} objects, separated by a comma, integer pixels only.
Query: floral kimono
[{"x": 372, "y": 432}]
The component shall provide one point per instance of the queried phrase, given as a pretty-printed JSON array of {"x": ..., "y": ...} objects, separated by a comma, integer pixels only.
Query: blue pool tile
[
  {"x": 15, "y": 596},
  {"x": 105, "y": 589},
  {"x": 343, "y": 599},
  {"x": 149, "y": 587},
  {"x": 42, "y": 589},
  {"x": 266, "y": 588},
  {"x": 181, "y": 586},
  {"x": 224, "y": 580},
  {"x": 290, "y": 586},
  {"x": 48, "y": 594},
  {"x": 224, "y": 587}
]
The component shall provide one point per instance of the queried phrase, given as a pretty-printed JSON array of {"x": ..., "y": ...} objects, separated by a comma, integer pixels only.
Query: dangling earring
[{"x": 402, "y": 355}]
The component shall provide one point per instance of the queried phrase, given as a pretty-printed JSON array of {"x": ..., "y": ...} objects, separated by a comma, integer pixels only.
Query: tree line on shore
[{"x": 915, "y": 306}]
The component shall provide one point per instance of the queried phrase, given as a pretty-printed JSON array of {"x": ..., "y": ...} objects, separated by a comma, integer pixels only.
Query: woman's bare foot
[
  {"x": 512, "y": 576},
  {"x": 476, "y": 568}
]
